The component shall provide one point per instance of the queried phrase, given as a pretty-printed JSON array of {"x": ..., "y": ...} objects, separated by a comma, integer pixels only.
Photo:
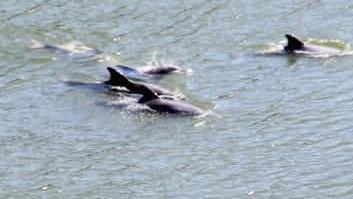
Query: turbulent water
[{"x": 281, "y": 125}]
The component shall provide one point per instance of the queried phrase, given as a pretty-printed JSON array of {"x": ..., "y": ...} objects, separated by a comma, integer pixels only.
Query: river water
[{"x": 281, "y": 126}]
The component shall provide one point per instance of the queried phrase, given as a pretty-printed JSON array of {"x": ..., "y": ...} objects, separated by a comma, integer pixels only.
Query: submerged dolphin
[
  {"x": 294, "y": 45},
  {"x": 160, "y": 69},
  {"x": 117, "y": 79},
  {"x": 74, "y": 49},
  {"x": 148, "y": 71}
]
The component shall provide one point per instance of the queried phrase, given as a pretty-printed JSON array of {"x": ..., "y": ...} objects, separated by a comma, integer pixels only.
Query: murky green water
[{"x": 282, "y": 126}]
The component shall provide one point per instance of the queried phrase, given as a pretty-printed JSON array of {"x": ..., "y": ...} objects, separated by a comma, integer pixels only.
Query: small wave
[{"x": 340, "y": 45}]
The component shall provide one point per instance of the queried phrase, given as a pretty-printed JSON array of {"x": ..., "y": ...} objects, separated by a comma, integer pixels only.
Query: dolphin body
[
  {"x": 296, "y": 46},
  {"x": 117, "y": 79},
  {"x": 150, "y": 71},
  {"x": 150, "y": 99},
  {"x": 161, "y": 69},
  {"x": 74, "y": 49}
]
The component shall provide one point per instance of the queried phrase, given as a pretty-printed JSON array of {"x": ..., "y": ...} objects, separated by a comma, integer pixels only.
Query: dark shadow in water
[
  {"x": 97, "y": 86},
  {"x": 292, "y": 59}
]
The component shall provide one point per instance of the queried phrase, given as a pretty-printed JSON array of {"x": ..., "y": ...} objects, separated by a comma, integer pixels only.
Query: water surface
[{"x": 283, "y": 126}]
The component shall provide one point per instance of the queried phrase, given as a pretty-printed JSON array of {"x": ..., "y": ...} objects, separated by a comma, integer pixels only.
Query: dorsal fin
[
  {"x": 116, "y": 79},
  {"x": 293, "y": 43},
  {"x": 147, "y": 93}
]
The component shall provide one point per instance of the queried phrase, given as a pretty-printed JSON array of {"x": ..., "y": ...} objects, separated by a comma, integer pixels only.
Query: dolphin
[
  {"x": 150, "y": 70},
  {"x": 161, "y": 69},
  {"x": 296, "y": 46},
  {"x": 150, "y": 99},
  {"x": 117, "y": 79},
  {"x": 150, "y": 96},
  {"x": 74, "y": 49}
]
